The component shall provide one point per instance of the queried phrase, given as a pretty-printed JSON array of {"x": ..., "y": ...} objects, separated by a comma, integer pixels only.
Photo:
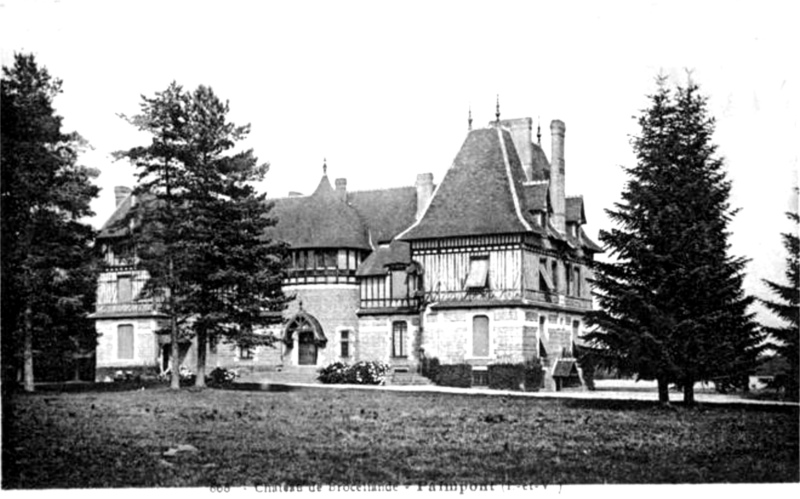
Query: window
[
  {"x": 124, "y": 291},
  {"x": 399, "y": 285},
  {"x": 554, "y": 275},
  {"x": 399, "y": 330},
  {"x": 478, "y": 272},
  {"x": 568, "y": 276},
  {"x": 576, "y": 326},
  {"x": 245, "y": 353},
  {"x": 542, "y": 326},
  {"x": 480, "y": 336},
  {"x": 345, "y": 343},
  {"x": 342, "y": 259},
  {"x": 577, "y": 283},
  {"x": 125, "y": 341}
]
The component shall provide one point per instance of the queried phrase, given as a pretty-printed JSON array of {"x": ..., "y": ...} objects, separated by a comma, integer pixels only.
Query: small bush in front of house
[
  {"x": 430, "y": 368},
  {"x": 534, "y": 375},
  {"x": 588, "y": 364},
  {"x": 457, "y": 375},
  {"x": 361, "y": 373},
  {"x": 221, "y": 377},
  {"x": 506, "y": 376}
]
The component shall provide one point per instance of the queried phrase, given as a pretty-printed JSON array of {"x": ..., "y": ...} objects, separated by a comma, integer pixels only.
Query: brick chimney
[
  {"x": 341, "y": 188},
  {"x": 120, "y": 193},
  {"x": 424, "y": 192},
  {"x": 522, "y": 135},
  {"x": 557, "y": 178}
]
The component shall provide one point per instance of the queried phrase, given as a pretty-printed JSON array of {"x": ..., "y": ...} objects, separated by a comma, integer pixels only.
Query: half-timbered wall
[
  {"x": 446, "y": 264},
  {"x": 395, "y": 289},
  {"x": 323, "y": 266}
]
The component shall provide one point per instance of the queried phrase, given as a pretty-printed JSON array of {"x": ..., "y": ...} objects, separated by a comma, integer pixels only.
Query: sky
[{"x": 381, "y": 90}]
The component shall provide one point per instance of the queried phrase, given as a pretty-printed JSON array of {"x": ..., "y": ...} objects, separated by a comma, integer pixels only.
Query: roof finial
[
  {"x": 324, "y": 166},
  {"x": 497, "y": 110},
  {"x": 469, "y": 120},
  {"x": 539, "y": 130}
]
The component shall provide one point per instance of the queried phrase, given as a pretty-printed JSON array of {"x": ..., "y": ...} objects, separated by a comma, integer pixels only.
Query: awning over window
[
  {"x": 478, "y": 273},
  {"x": 545, "y": 273},
  {"x": 565, "y": 368},
  {"x": 304, "y": 322}
]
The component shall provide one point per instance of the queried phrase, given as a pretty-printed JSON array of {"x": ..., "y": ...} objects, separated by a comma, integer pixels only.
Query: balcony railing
[
  {"x": 320, "y": 276},
  {"x": 132, "y": 308},
  {"x": 501, "y": 295},
  {"x": 408, "y": 303}
]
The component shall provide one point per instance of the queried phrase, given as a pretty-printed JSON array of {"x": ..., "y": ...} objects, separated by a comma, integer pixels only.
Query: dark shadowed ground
[{"x": 119, "y": 439}]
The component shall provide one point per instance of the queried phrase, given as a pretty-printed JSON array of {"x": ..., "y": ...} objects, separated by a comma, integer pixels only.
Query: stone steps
[{"x": 407, "y": 378}]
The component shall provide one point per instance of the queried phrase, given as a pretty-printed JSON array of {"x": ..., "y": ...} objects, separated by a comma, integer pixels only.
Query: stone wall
[{"x": 375, "y": 339}]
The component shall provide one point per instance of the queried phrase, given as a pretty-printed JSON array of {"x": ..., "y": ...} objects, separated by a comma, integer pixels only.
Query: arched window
[{"x": 480, "y": 336}]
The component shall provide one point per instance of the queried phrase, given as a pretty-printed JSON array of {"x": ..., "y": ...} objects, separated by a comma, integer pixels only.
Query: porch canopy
[{"x": 304, "y": 322}]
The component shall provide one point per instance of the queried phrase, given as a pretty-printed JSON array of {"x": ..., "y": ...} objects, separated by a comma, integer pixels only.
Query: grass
[{"x": 118, "y": 439}]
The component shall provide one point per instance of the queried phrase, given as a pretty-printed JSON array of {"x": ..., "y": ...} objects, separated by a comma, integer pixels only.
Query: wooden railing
[
  {"x": 320, "y": 276},
  {"x": 134, "y": 308},
  {"x": 407, "y": 303},
  {"x": 500, "y": 295}
]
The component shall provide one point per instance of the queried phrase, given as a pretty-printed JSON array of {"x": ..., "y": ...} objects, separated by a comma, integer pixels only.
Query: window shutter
[
  {"x": 125, "y": 341},
  {"x": 478, "y": 273}
]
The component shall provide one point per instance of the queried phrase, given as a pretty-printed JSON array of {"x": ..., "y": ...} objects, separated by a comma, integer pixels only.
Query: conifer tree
[
  {"x": 671, "y": 304},
  {"x": 787, "y": 308},
  {"x": 48, "y": 265},
  {"x": 201, "y": 226}
]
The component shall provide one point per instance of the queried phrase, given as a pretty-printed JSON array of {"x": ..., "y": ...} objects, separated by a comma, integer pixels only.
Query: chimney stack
[
  {"x": 424, "y": 192},
  {"x": 341, "y": 188},
  {"x": 557, "y": 178},
  {"x": 522, "y": 135},
  {"x": 120, "y": 193}
]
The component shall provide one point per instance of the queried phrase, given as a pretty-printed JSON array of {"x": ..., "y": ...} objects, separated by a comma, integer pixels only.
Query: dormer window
[
  {"x": 540, "y": 218},
  {"x": 478, "y": 277},
  {"x": 573, "y": 230}
]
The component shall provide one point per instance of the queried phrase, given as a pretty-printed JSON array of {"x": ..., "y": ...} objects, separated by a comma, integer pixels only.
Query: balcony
[
  {"x": 320, "y": 276},
  {"x": 495, "y": 296},
  {"x": 131, "y": 309}
]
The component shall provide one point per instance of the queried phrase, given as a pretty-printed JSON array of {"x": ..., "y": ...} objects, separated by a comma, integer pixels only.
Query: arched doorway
[{"x": 310, "y": 337}]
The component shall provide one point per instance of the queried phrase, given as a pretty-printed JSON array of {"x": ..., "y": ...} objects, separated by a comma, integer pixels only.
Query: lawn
[{"x": 119, "y": 439}]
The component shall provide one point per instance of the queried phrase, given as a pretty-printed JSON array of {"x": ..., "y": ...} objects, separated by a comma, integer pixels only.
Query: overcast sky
[{"x": 382, "y": 89}]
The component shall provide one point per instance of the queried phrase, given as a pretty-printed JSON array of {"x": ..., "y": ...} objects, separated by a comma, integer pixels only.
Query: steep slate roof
[
  {"x": 537, "y": 196},
  {"x": 574, "y": 209},
  {"x": 114, "y": 226},
  {"x": 541, "y": 167},
  {"x": 386, "y": 212},
  {"x": 396, "y": 252},
  {"x": 481, "y": 193},
  {"x": 321, "y": 220}
]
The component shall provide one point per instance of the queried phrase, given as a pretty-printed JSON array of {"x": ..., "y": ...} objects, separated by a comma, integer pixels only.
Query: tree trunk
[
  {"x": 200, "y": 381},
  {"x": 663, "y": 391},
  {"x": 27, "y": 350},
  {"x": 175, "y": 378},
  {"x": 688, "y": 393}
]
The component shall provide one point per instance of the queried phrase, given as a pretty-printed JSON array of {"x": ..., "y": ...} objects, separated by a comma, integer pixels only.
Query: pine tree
[
  {"x": 200, "y": 229},
  {"x": 787, "y": 308},
  {"x": 671, "y": 304},
  {"x": 48, "y": 274}
]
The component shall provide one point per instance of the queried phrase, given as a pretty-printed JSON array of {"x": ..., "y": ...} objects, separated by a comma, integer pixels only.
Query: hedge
[
  {"x": 527, "y": 376},
  {"x": 458, "y": 375},
  {"x": 506, "y": 376}
]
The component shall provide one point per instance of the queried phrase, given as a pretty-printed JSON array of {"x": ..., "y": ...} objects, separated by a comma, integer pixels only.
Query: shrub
[
  {"x": 430, "y": 368},
  {"x": 534, "y": 376},
  {"x": 458, "y": 375},
  {"x": 221, "y": 377},
  {"x": 360, "y": 373},
  {"x": 506, "y": 376},
  {"x": 588, "y": 364}
]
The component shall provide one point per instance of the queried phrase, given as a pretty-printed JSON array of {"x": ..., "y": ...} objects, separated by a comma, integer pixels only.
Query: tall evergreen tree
[
  {"x": 48, "y": 267},
  {"x": 671, "y": 304},
  {"x": 201, "y": 229},
  {"x": 787, "y": 308}
]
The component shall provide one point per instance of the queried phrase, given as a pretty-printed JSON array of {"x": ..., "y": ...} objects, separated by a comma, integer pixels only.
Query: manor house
[{"x": 489, "y": 265}]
